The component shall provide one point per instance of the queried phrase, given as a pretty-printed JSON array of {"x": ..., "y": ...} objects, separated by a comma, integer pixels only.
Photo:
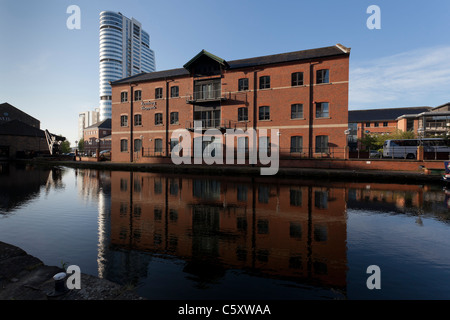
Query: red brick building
[
  {"x": 97, "y": 137},
  {"x": 303, "y": 94}
]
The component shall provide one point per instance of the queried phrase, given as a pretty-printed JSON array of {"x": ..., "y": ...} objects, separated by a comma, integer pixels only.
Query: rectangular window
[
  {"x": 297, "y": 111},
  {"x": 123, "y": 96},
  {"x": 158, "y": 118},
  {"x": 295, "y": 196},
  {"x": 385, "y": 124},
  {"x": 137, "y": 145},
  {"x": 243, "y": 114},
  {"x": 137, "y": 95},
  {"x": 124, "y": 121},
  {"x": 243, "y": 84},
  {"x": 264, "y": 113},
  {"x": 296, "y": 144},
  {"x": 123, "y": 145},
  {"x": 174, "y": 118},
  {"x": 322, "y": 110},
  {"x": 158, "y": 93},
  {"x": 158, "y": 145},
  {"x": 323, "y": 76},
  {"x": 377, "y": 124},
  {"x": 367, "y": 124},
  {"x": 174, "y": 92},
  {"x": 138, "y": 120},
  {"x": 264, "y": 82},
  {"x": 321, "y": 144},
  {"x": 297, "y": 79}
]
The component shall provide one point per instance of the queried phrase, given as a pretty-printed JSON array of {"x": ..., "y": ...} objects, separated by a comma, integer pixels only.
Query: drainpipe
[
  {"x": 311, "y": 108},
  {"x": 167, "y": 116},
  {"x": 131, "y": 123}
]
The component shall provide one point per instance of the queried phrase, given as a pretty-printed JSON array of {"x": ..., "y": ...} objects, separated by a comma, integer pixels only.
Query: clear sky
[{"x": 52, "y": 72}]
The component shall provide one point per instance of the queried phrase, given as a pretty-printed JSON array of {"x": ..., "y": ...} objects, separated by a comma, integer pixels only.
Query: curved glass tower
[{"x": 124, "y": 51}]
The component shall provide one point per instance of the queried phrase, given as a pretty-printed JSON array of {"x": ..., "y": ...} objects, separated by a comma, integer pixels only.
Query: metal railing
[
  {"x": 205, "y": 95},
  {"x": 217, "y": 124},
  {"x": 299, "y": 153}
]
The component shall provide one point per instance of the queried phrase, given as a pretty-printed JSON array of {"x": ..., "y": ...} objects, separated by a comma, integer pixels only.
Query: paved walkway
[{"x": 24, "y": 277}]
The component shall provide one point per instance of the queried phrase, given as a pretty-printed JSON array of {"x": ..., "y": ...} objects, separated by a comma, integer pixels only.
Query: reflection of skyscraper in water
[{"x": 104, "y": 229}]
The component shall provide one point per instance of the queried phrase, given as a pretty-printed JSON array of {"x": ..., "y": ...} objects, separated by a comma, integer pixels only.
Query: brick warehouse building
[{"x": 304, "y": 94}]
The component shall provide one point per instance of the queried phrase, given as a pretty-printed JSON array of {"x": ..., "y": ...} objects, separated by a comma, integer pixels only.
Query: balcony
[
  {"x": 221, "y": 124},
  {"x": 205, "y": 96}
]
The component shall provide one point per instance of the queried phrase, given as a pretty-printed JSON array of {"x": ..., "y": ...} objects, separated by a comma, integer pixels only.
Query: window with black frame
[
  {"x": 137, "y": 95},
  {"x": 322, "y": 110},
  {"x": 321, "y": 144},
  {"x": 138, "y": 120},
  {"x": 158, "y": 118},
  {"x": 297, "y": 111},
  {"x": 174, "y": 92},
  {"x": 264, "y": 82},
  {"x": 123, "y": 96},
  {"x": 296, "y": 144},
  {"x": 264, "y": 113},
  {"x": 243, "y": 84},
  {"x": 323, "y": 76},
  {"x": 243, "y": 114},
  {"x": 174, "y": 118},
  {"x": 297, "y": 79},
  {"x": 158, "y": 93},
  {"x": 158, "y": 145},
  {"x": 124, "y": 121}
]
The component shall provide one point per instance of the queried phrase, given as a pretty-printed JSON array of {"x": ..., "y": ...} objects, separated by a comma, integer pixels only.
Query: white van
[{"x": 407, "y": 148}]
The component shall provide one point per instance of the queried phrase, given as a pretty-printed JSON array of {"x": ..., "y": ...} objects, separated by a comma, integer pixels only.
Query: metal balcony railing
[
  {"x": 217, "y": 124},
  {"x": 206, "y": 95}
]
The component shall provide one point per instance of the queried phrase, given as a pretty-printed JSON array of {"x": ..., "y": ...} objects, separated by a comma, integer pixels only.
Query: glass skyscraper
[{"x": 124, "y": 51}]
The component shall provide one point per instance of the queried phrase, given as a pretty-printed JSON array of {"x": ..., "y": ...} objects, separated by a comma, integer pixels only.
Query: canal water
[{"x": 204, "y": 237}]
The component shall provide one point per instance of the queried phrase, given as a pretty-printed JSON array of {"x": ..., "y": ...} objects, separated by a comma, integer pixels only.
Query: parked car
[
  {"x": 375, "y": 154},
  {"x": 105, "y": 155}
]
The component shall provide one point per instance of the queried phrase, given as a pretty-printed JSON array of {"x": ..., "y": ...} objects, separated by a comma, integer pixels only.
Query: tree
[
  {"x": 65, "y": 147},
  {"x": 81, "y": 146}
]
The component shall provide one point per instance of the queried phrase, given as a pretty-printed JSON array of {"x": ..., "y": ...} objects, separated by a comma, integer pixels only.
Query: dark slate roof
[
  {"x": 105, "y": 124},
  {"x": 245, "y": 63},
  {"x": 19, "y": 128},
  {"x": 383, "y": 114}
]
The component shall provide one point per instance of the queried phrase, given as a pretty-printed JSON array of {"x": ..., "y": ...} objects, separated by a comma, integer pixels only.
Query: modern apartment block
[
  {"x": 303, "y": 94},
  {"x": 124, "y": 52},
  {"x": 86, "y": 119}
]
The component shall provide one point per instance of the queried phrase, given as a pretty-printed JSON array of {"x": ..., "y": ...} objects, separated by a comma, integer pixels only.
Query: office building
[
  {"x": 303, "y": 94},
  {"x": 86, "y": 119},
  {"x": 124, "y": 51}
]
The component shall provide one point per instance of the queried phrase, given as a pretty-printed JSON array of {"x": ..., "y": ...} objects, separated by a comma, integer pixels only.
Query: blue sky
[{"x": 52, "y": 72}]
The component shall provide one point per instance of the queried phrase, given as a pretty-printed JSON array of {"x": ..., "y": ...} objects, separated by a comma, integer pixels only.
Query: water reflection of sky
[{"x": 202, "y": 237}]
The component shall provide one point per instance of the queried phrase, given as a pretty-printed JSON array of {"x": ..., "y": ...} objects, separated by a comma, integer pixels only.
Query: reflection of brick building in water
[{"x": 285, "y": 231}]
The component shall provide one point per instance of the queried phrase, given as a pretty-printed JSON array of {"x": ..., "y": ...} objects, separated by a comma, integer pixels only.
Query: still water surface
[{"x": 203, "y": 237}]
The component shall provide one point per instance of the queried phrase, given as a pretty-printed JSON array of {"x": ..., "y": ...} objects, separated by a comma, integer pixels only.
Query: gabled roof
[
  {"x": 383, "y": 114},
  {"x": 332, "y": 51},
  {"x": 6, "y": 108},
  {"x": 221, "y": 61},
  {"x": 105, "y": 124}
]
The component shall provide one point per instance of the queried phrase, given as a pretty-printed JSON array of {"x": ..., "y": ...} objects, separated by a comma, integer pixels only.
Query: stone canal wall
[{"x": 24, "y": 277}]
